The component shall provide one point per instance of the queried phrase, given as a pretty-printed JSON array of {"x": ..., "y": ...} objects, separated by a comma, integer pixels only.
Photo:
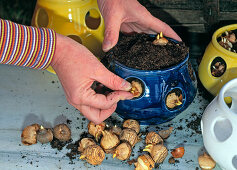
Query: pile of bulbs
[
  {"x": 114, "y": 140},
  {"x": 33, "y": 133},
  {"x": 120, "y": 141}
]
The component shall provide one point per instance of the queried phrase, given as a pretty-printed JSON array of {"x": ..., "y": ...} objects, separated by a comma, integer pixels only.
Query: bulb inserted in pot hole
[
  {"x": 174, "y": 98},
  {"x": 218, "y": 67},
  {"x": 137, "y": 87}
]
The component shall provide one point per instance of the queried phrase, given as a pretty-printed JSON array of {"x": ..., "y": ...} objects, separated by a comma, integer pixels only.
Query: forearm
[{"x": 26, "y": 46}]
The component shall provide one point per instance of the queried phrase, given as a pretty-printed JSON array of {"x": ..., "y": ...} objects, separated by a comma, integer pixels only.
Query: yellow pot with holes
[
  {"x": 216, "y": 55},
  {"x": 78, "y": 19}
]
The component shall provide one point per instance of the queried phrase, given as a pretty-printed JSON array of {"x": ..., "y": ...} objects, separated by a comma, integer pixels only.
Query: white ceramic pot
[{"x": 219, "y": 127}]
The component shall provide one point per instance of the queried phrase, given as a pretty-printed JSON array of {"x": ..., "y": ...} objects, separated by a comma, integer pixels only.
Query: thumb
[
  {"x": 111, "y": 80},
  {"x": 111, "y": 35}
]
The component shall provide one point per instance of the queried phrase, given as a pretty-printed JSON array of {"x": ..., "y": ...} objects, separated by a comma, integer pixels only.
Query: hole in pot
[
  {"x": 138, "y": 87},
  {"x": 234, "y": 161},
  {"x": 191, "y": 72},
  {"x": 93, "y": 19},
  {"x": 218, "y": 67},
  {"x": 228, "y": 40},
  {"x": 174, "y": 99},
  {"x": 222, "y": 129},
  {"x": 42, "y": 18},
  {"x": 76, "y": 38}
]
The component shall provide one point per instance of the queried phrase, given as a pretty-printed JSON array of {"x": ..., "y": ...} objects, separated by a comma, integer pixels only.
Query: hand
[
  {"x": 129, "y": 16},
  {"x": 77, "y": 68}
]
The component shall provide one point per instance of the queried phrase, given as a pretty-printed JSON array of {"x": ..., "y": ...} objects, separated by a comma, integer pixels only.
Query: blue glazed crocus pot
[{"x": 151, "y": 107}]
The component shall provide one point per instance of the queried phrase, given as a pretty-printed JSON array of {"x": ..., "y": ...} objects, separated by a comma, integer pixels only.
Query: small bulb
[
  {"x": 96, "y": 130},
  {"x": 144, "y": 162},
  {"x": 109, "y": 141},
  {"x": 130, "y": 136},
  {"x": 62, "y": 132},
  {"x": 136, "y": 89},
  {"x": 178, "y": 152},
  {"x": 132, "y": 124},
  {"x": 206, "y": 162},
  {"x": 116, "y": 130},
  {"x": 158, "y": 152},
  {"x": 165, "y": 133},
  {"x": 44, "y": 135},
  {"x": 123, "y": 151},
  {"x": 93, "y": 154},
  {"x": 84, "y": 143},
  {"x": 29, "y": 134}
]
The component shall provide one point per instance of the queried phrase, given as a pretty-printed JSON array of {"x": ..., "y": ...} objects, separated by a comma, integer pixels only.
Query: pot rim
[
  {"x": 174, "y": 67},
  {"x": 217, "y": 34}
]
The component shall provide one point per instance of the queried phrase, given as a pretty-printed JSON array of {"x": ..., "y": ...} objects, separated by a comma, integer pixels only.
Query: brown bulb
[
  {"x": 144, "y": 162},
  {"x": 153, "y": 138},
  {"x": 44, "y": 135},
  {"x": 165, "y": 133},
  {"x": 84, "y": 143},
  {"x": 93, "y": 154},
  {"x": 130, "y": 136},
  {"x": 173, "y": 100},
  {"x": 123, "y": 151},
  {"x": 160, "y": 40},
  {"x": 132, "y": 124},
  {"x": 95, "y": 130},
  {"x": 62, "y": 132},
  {"x": 206, "y": 162},
  {"x": 158, "y": 152},
  {"x": 29, "y": 134},
  {"x": 109, "y": 141},
  {"x": 178, "y": 152},
  {"x": 116, "y": 130},
  {"x": 136, "y": 89}
]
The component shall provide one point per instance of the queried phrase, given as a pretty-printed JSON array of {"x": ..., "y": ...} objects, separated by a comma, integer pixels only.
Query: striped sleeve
[{"x": 25, "y": 45}]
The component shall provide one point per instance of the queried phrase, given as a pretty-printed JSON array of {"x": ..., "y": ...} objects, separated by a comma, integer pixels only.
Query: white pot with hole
[{"x": 219, "y": 127}]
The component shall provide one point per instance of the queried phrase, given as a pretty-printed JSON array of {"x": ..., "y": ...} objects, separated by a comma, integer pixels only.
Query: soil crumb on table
[{"x": 137, "y": 51}]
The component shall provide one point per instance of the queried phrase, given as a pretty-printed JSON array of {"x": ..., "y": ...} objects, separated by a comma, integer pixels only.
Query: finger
[
  {"x": 101, "y": 101},
  {"x": 112, "y": 28},
  {"x": 160, "y": 26},
  {"x": 96, "y": 115},
  {"x": 111, "y": 80},
  {"x": 157, "y": 25}
]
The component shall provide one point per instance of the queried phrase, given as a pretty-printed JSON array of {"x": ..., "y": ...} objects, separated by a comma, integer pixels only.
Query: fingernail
[
  {"x": 126, "y": 85},
  {"x": 107, "y": 46}
]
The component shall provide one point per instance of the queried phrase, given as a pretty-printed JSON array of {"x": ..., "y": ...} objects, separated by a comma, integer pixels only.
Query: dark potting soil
[
  {"x": 55, "y": 143},
  {"x": 137, "y": 51}
]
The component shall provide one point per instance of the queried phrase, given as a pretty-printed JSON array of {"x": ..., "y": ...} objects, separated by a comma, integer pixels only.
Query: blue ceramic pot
[{"x": 150, "y": 107}]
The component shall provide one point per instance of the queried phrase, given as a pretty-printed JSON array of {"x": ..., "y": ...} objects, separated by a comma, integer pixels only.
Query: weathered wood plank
[
  {"x": 175, "y": 16},
  {"x": 228, "y": 16},
  {"x": 178, "y": 4},
  {"x": 228, "y": 5},
  {"x": 191, "y": 20}
]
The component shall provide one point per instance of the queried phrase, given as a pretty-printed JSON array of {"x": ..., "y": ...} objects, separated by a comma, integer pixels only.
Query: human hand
[
  {"x": 129, "y": 16},
  {"x": 77, "y": 68}
]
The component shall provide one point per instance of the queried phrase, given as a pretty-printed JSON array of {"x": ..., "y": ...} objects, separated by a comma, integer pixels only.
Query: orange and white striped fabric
[{"x": 25, "y": 45}]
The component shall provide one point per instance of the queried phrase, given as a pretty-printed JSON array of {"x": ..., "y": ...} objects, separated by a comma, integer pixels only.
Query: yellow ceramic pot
[
  {"x": 216, "y": 53},
  {"x": 78, "y": 19}
]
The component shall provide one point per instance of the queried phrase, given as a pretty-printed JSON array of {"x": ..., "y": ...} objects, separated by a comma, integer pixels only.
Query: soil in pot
[{"x": 138, "y": 51}]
